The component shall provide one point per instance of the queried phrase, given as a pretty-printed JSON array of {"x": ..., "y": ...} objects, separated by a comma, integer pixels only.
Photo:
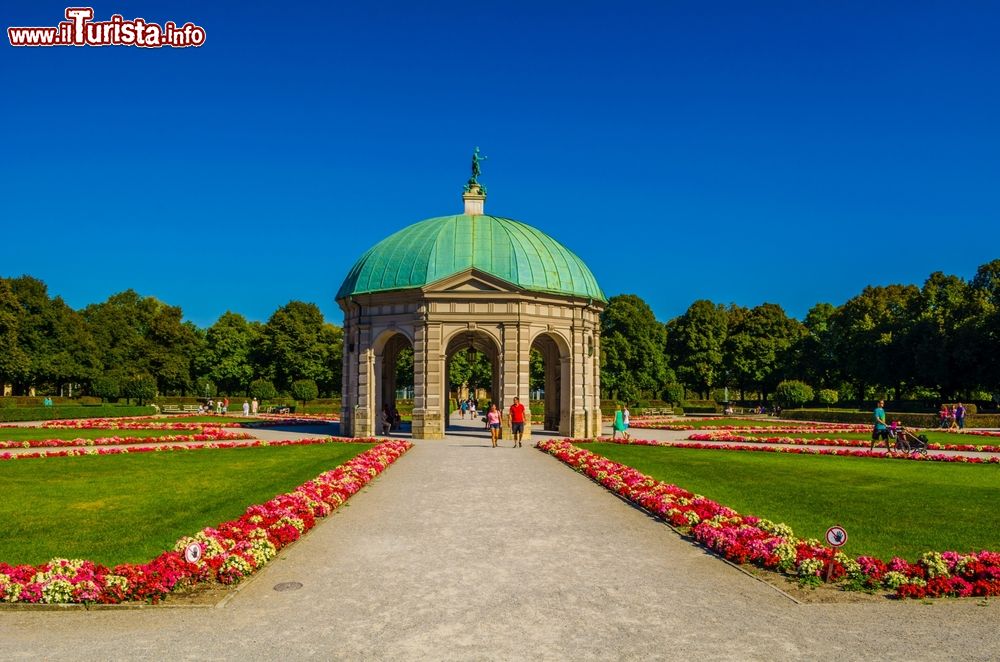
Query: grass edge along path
[
  {"x": 773, "y": 546},
  {"x": 228, "y": 552}
]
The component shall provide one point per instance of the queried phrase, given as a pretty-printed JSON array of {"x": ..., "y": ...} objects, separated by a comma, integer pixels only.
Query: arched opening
[
  {"x": 394, "y": 381},
  {"x": 472, "y": 366},
  {"x": 550, "y": 378}
]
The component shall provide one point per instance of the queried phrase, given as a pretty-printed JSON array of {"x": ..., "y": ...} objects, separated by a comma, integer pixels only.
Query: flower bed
[
  {"x": 157, "y": 424},
  {"x": 210, "y": 434},
  {"x": 117, "y": 424},
  {"x": 727, "y": 437},
  {"x": 231, "y": 551},
  {"x": 748, "y": 539},
  {"x": 163, "y": 448}
]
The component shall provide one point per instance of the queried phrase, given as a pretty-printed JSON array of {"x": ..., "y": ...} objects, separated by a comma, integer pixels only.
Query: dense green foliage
[
  {"x": 793, "y": 393},
  {"x": 888, "y": 507},
  {"x": 633, "y": 356},
  {"x": 137, "y": 347},
  {"x": 304, "y": 390},
  {"x": 129, "y": 508},
  {"x": 928, "y": 344}
]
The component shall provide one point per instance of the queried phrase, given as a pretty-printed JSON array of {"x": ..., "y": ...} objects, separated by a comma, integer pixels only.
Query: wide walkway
[{"x": 462, "y": 551}]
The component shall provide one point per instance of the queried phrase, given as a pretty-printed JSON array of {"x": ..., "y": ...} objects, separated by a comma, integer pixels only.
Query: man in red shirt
[{"x": 517, "y": 416}]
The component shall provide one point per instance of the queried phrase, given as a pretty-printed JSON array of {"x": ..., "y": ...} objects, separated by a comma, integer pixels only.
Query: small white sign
[
  {"x": 836, "y": 536},
  {"x": 193, "y": 552}
]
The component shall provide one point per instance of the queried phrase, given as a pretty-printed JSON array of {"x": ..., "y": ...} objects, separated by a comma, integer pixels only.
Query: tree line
[
  {"x": 135, "y": 346},
  {"x": 937, "y": 342}
]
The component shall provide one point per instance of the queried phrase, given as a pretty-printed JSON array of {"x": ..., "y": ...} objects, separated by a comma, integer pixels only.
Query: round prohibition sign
[
  {"x": 836, "y": 536},
  {"x": 193, "y": 552}
]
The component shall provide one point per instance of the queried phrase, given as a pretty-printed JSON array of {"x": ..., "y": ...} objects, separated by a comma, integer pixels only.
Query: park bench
[{"x": 179, "y": 409}]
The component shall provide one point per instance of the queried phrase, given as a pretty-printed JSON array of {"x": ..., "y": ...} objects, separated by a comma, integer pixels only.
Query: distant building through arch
[{"x": 471, "y": 282}]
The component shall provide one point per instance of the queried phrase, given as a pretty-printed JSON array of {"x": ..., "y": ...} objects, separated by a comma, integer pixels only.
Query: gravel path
[{"x": 461, "y": 551}]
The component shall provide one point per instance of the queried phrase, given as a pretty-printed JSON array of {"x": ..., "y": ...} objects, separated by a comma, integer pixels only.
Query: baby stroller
[{"x": 906, "y": 441}]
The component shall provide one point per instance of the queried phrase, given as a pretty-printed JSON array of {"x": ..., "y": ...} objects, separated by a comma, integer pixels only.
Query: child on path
[{"x": 493, "y": 422}]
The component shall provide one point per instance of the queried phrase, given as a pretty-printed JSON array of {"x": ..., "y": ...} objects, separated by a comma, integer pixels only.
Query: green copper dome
[{"x": 430, "y": 250}]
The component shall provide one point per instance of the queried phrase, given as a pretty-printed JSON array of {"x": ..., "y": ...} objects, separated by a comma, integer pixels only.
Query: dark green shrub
[
  {"x": 827, "y": 396},
  {"x": 108, "y": 386},
  {"x": 673, "y": 393},
  {"x": 140, "y": 387},
  {"x": 792, "y": 393},
  {"x": 304, "y": 390},
  {"x": 263, "y": 389}
]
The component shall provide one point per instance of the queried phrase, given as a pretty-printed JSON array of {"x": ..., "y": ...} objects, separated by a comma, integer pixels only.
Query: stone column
[
  {"x": 364, "y": 407},
  {"x": 428, "y": 382}
]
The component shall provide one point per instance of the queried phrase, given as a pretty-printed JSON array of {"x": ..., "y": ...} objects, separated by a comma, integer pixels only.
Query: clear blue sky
[{"x": 744, "y": 152}]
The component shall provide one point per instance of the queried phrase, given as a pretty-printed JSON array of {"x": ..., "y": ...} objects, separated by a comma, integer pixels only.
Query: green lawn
[
  {"x": 888, "y": 507},
  {"x": 741, "y": 422},
  {"x": 26, "y": 434},
  {"x": 129, "y": 508},
  {"x": 218, "y": 419},
  {"x": 933, "y": 436}
]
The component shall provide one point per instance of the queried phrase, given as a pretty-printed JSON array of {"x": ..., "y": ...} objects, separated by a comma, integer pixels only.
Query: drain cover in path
[{"x": 287, "y": 586}]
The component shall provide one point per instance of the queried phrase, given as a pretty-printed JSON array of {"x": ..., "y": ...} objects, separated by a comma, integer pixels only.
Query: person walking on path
[
  {"x": 493, "y": 423},
  {"x": 465, "y": 408},
  {"x": 517, "y": 420},
  {"x": 254, "y": 406},
  {"x": 881, "y": 430},
  {"x": 952, "y": 418},
  {"x": 472, "y": 409},
  {"x": 960, "y": 416},
  {"x": 626, "y": 416},
  {"x": 246, "y": 408},
  {"x": 619, "y": 424}
]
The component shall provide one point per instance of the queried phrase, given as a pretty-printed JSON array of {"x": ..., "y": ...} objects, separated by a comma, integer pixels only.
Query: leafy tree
[
  {"x": 404, "y": 368},
  {"x": 171, "y": 345},
  {"x": 694, "y": 344},
  {"x": 263, "y": 389},
  {"x": 673, "y": 393},
  {"x": 471, "y": 369},
  {"x": 140, "y": 387},
  {"x": 225, "y": 359},
  {"x": 758, "y": 346},
  {"x": 15, "y": 366},
  {"x": 793, "y": 393},
  {"x": 945, "y": 331},
  {"x": 812, "y": 357},
  {"x": 52, "y": 338},
  {"x": 205, "y": 388},
  {"x": 872, "y": 334},
  {"x": 332, "y": 342},
  {"x": 292, "y": 346},
  {"x": 633, "y": 342},
  {"x": 536, "y": 370},
  {"x": 827, "y": 396},
  {"x": 304, "y": 390}
]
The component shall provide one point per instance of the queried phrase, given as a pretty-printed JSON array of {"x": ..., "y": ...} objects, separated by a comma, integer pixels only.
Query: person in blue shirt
[{"x": 881, "y": 430}]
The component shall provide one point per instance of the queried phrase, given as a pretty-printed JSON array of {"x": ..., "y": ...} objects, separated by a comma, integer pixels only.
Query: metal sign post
[{"x": 836, "y": 536}]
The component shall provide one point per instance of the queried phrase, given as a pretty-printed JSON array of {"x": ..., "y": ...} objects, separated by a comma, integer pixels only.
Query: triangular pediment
[{"x": 471, "y": 280}]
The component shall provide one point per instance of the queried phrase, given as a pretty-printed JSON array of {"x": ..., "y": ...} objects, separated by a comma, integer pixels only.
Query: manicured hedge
[
  {"x": 37, "y": 401},
  {"x": 9, "y": 414},
  {"x": 913, "y": 420}
]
